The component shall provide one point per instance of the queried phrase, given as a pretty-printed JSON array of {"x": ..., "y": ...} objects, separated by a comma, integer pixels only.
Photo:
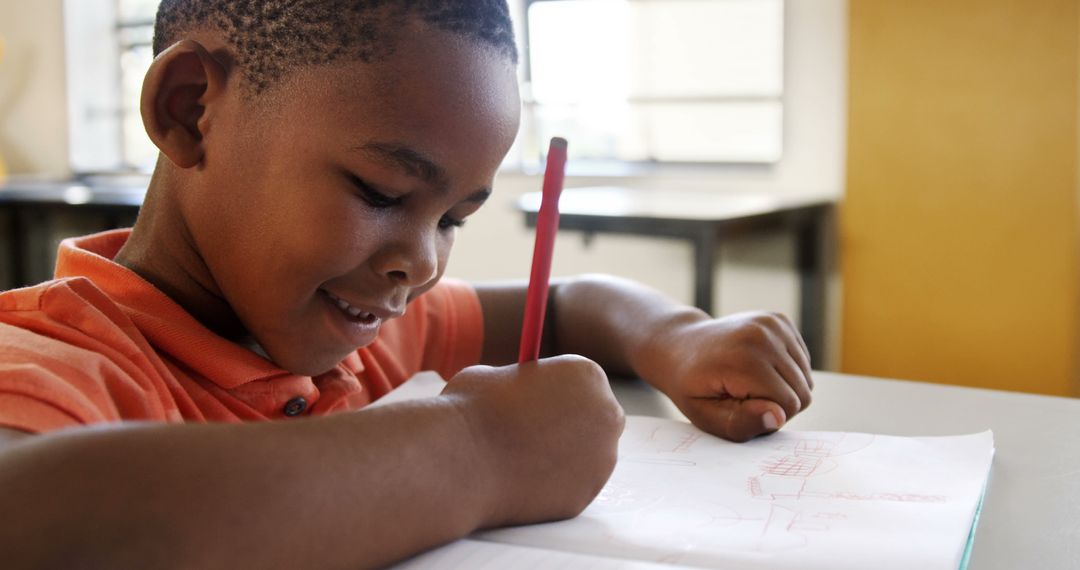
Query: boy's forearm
[
  {"x": 615, "y": 322},
  {"x": 618, "y": 323},
  {"x": 355, "y": 490}
]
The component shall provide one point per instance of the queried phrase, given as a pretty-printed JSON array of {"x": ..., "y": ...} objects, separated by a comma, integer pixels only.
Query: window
[
  {"x": 108, "y": 52},
  {"x": 623, "y": 80},
  {"x": 655, "y": 80}
]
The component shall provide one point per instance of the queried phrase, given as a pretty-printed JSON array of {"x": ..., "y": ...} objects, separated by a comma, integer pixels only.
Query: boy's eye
[
  {"x": 446, "y": 222},
  {"x": 372, "y": 196}
]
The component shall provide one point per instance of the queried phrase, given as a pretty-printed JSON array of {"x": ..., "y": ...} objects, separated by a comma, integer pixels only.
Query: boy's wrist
[
  {"x": 659, "y": 352},
  {"x": 484, "y": 469}
]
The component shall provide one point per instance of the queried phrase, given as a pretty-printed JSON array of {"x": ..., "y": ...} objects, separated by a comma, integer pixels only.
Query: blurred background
[{"x": 943, "y": 137}]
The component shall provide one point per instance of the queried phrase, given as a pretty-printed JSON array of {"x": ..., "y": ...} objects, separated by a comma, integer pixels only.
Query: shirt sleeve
[
  {"x": 46, "y": 391},
  {"x": 455, "y": 328},
  {"x": 27, "y": 413},
  {"x": 63, "y": 372}
]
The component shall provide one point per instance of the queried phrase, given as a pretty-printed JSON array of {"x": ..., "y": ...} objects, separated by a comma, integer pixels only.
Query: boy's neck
[{"x": 162, "y": 251}]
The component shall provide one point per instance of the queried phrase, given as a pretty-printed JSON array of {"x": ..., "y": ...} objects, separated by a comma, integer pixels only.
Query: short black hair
[{"x": 273, "y": 37}]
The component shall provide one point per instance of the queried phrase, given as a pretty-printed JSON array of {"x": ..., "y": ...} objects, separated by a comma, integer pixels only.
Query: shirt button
[{"x": 295, "y": 406}]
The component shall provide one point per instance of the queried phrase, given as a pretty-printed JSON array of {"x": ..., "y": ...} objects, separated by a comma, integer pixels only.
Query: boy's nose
[{"x": 412, "y": 261}]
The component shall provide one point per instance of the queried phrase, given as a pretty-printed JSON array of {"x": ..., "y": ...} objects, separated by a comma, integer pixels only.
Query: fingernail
[{"x": 770, "y": 421}]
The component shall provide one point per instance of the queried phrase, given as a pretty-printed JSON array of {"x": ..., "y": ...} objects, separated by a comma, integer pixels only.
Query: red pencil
[{"x": 547, "y": 223}]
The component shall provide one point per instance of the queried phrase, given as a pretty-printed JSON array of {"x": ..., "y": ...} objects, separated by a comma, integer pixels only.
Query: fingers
[
  {"x": 781, "y": 352},
  {"x": 793, "y": 367},
  {"x": 803, "y": 362},
  {"x": 762, "y": 388},
  {"x": 766, "y": 385},
  {"x": 795, "y": 378},
  {"x": 744, "y": 375},
  {"x": 795, "y": 333},
  {"x": 796, "y": 348},
  {"x": 738, "y": 420},
  {"x": 770, "y": 384}
]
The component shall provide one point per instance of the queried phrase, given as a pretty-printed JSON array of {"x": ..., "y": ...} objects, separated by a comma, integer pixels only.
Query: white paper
[
  {"x": 808, "y": 500},
  {"x": 469, "y": 554},
  {"x": 423, "y": 385},
  {"x": 823, "y": 500}
]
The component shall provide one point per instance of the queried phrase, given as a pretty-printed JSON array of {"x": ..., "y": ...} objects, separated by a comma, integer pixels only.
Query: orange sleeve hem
[{"x": 32, "y": 415}]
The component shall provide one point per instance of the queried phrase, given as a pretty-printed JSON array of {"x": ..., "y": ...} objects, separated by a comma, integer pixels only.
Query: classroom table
[
  {"x": 706, "y": 219},
  {"x": 26, "y": 204},
  {"x": 1031, "y": 514}
]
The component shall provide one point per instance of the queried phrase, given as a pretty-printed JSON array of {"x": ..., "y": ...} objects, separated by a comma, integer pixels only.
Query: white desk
[{"x": 1031, "y": 517}]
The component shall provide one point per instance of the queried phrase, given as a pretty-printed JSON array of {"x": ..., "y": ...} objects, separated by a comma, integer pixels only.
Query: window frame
[{"x": 621, "y": 167}]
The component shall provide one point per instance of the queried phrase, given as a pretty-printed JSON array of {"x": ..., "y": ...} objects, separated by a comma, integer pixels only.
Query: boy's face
[{"x": 322, "y": 212}]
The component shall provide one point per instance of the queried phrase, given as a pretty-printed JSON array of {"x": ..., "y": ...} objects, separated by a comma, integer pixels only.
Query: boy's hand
[
  {"x": 736, "y": 377},
  {"x": 547, "y": 431}
]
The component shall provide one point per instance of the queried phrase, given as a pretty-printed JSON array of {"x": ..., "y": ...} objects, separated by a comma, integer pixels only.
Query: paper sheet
[
  {"x": 423, "y": 385},
  {"x": 791, "y": 500},
  {"x": 808, "y": 500},
  {"x": 476, "y": 555}
]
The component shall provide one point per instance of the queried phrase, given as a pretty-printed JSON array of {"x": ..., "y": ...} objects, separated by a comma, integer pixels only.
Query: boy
[{"x": 317, "y": 157}]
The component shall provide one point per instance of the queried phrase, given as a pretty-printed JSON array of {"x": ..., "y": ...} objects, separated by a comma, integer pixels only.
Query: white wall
[
  {"x": 33, "y": 112},
  {"x": 753, "y": 273}
]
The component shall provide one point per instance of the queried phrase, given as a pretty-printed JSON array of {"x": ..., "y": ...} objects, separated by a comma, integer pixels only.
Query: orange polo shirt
[{"x": 101, "y": 344}]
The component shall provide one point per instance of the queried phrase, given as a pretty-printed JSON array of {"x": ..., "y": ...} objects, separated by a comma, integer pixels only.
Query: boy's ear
[{"x": 180, "y": 84}]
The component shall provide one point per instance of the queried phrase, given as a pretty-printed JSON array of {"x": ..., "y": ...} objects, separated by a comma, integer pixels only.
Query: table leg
[
  {"x": 810, "y": 263},
  {"x": 704, "y": 268},
  {"x": 17, "y": 247}
]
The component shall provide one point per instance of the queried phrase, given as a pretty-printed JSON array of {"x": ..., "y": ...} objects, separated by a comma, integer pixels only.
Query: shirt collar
[{"x": 164, "y": 323}]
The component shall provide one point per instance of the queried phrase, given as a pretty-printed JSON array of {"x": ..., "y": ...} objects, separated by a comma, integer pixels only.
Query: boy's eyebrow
[
  {"x": 409, "y": 160},
  {"x": 416, "y": 164}
]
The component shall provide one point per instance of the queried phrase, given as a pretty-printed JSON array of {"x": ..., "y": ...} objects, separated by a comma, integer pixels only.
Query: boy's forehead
[
  {"x": 436, "y": 94},
  {"x": 433, "y": 81},
  {"x": 424, "y": 56},
  {"x": 441, "y": 68}
]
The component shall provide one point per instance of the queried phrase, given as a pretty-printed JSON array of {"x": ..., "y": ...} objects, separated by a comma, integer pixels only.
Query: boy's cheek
[
  {"x": 427, "y": 287},
  {"x": 444, "y": 255}
]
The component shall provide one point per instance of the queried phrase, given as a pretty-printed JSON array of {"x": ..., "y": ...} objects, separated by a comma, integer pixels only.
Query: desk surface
[
  {"x": 1031, "y": 516},
  {"x": 105, "y": 191},
  {"x": 617, "y": 202}
]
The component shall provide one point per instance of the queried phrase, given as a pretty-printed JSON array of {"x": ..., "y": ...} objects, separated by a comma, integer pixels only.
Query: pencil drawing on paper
[
  {"x": 818, "y": 500},
  {"x": 786, "y": 478},
  {"x": 789, "y": 483}
]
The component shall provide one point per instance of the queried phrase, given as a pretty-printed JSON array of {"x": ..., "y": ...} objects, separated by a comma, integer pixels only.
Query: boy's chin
[{"x": 307, "y": 365}]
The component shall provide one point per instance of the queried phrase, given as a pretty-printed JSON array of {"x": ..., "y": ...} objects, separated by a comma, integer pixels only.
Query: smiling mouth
[{"x": 350, "y": 311}]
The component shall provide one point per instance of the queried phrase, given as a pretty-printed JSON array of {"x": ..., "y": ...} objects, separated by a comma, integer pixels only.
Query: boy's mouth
[{"x": 352, "y": 312}]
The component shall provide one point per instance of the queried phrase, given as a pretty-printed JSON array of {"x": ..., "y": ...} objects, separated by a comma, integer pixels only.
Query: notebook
[{"x": 680, "y": 498}]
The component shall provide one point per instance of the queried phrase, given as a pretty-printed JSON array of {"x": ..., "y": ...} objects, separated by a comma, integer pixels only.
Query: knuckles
[
  {"x": 754, "y": 333},
  {"x": 577, "y": 366},
  {"x": 766, "y": 326}
]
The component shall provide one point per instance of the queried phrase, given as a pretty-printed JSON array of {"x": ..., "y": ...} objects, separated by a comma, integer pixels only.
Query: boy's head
[
  {"x": 272, "y": 37},
  {"x": 320, "y": 156}
]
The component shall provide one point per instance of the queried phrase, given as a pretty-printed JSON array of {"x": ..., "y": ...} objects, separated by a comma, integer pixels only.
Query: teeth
[{"x": 351, "y": 310}]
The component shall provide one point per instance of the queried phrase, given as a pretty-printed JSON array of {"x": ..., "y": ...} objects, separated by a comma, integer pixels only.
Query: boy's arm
[
  {"x": 351, "y": 490},
  {"x": 737, "y": 377},
  {"x": 10, "y": 436}
]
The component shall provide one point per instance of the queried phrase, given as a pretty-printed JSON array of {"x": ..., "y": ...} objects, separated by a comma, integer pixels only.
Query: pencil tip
[{"x": 558, "y": 142}]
